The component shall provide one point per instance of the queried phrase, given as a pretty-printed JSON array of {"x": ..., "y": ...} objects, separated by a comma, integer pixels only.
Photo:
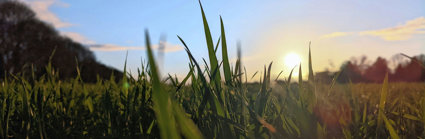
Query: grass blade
[
  {"x": 310, "y": 66},
  {"x": 162, "y": 102},
  {"x": 210, "y": 45},
  {"x": 382, "y": 101},
  {"x": 187, "y": 127},
  {"x": 390, "y": 128},
  {"x": 290, "y": 76},
  {"x": 216, "y": 45},
  {"x": 226, "y": 65}
]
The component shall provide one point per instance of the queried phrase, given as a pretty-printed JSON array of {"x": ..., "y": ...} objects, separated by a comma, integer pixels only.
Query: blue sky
[{"x": 268, "y": 30}]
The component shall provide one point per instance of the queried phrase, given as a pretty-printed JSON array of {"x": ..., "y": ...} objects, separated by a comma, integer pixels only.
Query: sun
[{"x": 292, "y": 60}]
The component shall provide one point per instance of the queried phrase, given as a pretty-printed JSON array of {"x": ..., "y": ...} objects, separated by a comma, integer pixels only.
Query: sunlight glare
[{"x": 291, "y": 60}]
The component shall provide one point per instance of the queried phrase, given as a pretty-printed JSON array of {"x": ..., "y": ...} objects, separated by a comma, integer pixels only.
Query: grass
[{"x": 208, "y": 107}]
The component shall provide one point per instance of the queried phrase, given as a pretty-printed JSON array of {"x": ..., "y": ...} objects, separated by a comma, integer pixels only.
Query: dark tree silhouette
[
  {"x": 406, "y": 71},
  {"x": 26, "y": 43},
  {"x": 350, "y": 72},
  {"x": 409, "y": 72},
  {"x": 377, "y": 71}
]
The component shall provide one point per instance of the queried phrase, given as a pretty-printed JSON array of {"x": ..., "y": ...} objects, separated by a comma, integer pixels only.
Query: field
[{"x": 218, "y": 102}]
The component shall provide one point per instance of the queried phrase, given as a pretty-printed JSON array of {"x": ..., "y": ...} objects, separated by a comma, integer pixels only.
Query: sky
[{"x": 267, "y": 30}]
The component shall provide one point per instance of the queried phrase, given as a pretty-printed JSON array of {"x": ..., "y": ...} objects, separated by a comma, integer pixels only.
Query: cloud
[
  {"x": 78, "y": 38},
  {"x": 336, "y": 34},
  {"x": 169, "y": 47},
  {"x": 111, "y": 47},
  {"x": 41, "y": 8},
  {"x": 401, "y": 32},
  {"x": 397, "y": 33}
]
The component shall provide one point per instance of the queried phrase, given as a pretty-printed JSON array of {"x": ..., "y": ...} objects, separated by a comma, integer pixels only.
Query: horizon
[{"x": 268, "y": 30}]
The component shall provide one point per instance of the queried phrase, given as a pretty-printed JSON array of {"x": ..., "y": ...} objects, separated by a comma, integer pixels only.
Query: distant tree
[
  {"x": 26, "y": 43},
  {"x": 377, "y": 71},
  {"x": 405, "y": 70},
  {"x": 411, "y": 71},
  {"x": 350, "y": 72}
]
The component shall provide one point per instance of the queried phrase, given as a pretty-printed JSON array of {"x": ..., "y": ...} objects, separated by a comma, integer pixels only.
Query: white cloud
[
  {"x": 78, "y": 38},
  {"x": 41, "y": 8},
  {"x": 401, "y": 32},
  {"x": 397, "y": 33},
  {"x": 169, "y": 47},
  {"x": 111, "y": 47}
]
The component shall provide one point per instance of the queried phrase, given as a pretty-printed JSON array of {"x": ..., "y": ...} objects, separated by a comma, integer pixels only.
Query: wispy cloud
[
  {"x": 111, "y": 47},
  {"x": 78, "y": 38},
  {"x": 92, "y": 45},
  {"x": 41, "y": 8},
  {"x": 400, "y": 32},
  {"x": 336, "y": 34}
]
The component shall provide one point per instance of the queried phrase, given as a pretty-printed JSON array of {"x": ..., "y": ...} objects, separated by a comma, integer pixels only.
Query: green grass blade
[
  {"x": 216, "y": 45},
  {"x": 185, "y": 79},
  {"x": 187, "y": 127},
  {"x": 125, "y": 64},
  {"x": 209, "y": 96},
  {"x": 390, "y": 128},
  {"x": 162, "y": 102},
  {"x": 210, "y": 45},
  {"x": 382, "y": 101},
  {"x": 226, "y": 65}
]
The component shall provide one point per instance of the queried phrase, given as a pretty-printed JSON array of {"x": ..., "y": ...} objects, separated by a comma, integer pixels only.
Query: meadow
[{"x": 215, "y": 101}]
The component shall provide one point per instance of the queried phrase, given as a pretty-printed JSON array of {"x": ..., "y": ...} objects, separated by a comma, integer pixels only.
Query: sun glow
[{"x": 292, "y": 60}]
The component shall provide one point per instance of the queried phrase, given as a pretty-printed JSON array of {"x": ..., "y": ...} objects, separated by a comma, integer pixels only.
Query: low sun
[{"x": 291, "y": 60}]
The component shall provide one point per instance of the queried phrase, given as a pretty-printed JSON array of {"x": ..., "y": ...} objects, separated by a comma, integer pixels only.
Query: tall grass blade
[
  {"x": 162, "y": 102},
  {"x": 226, "y": 65},
  {"x": 278, "y": 75},
  {"x": 209, "y": 95},
  {"x": 185, "y": 79},
  {"x": 310, "y": 65},
  {"x": 382, "y": 102},
  {"x": 300, "y": 78},
  {"x": 210, "y": 45},
  {"x": 254, "y": 75},
  {"x": 290, "y": 76},
  {"x": 216, "y": 45}
]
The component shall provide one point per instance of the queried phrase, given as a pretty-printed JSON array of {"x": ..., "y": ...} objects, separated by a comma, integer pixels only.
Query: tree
[
  {"x": 26, "y": 44},
  {"x": 350, "y": 72},
  {"x": 377, "y": 71},
  {"x": 409, "y": 72}
]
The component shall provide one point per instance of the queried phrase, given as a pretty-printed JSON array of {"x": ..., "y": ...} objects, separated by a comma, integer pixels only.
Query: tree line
[
  {"x": 359, "y": 70},
  {"x": 27, "y": 44}
]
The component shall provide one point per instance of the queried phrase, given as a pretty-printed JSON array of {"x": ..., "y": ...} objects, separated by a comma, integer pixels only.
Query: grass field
[{"x": 217, "y": 103}]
